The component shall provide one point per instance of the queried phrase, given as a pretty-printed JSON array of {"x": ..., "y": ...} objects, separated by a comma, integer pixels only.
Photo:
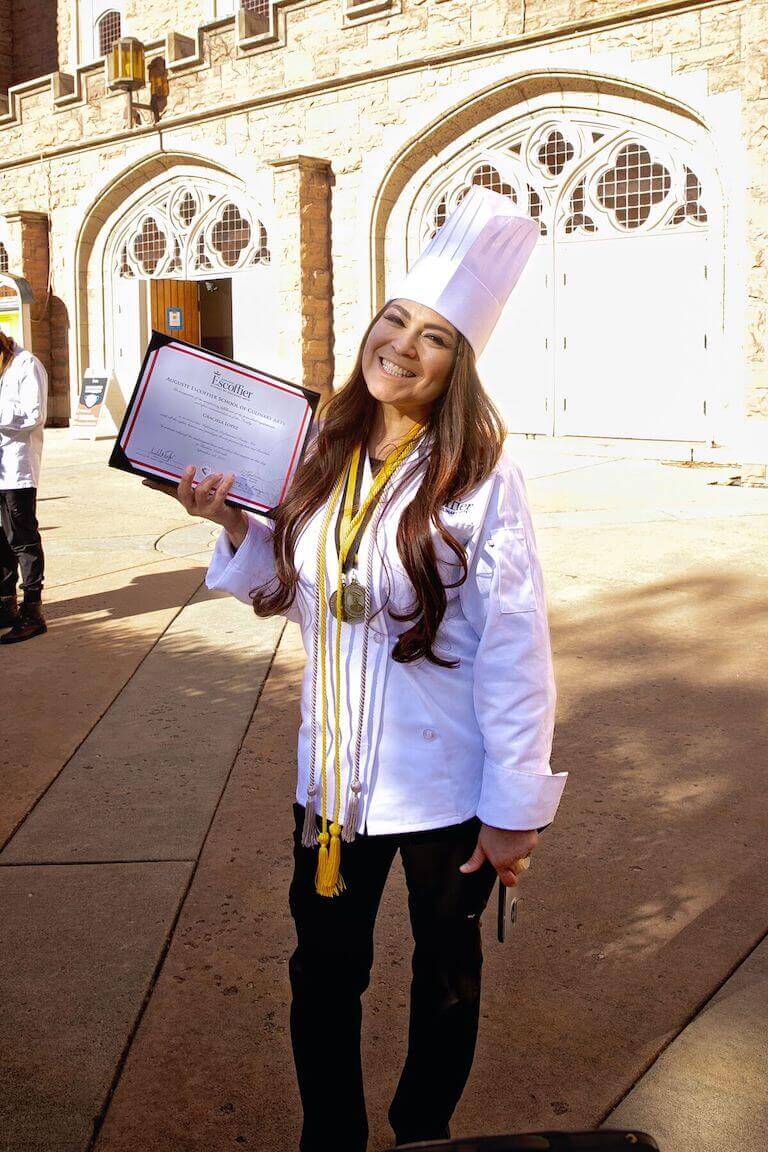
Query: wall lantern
[
  {"x": 127, "y": 72},
  {"x": 126, "y": 65}
]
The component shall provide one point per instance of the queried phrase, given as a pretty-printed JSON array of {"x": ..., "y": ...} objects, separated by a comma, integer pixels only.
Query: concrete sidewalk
[{"x": 144, "y": 891}]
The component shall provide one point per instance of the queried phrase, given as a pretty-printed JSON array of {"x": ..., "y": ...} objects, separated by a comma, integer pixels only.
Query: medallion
[{"x": 352, "y": 603}]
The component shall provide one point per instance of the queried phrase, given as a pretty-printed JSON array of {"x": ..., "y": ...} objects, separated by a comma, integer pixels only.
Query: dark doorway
[{"x": 216, "y": 316}]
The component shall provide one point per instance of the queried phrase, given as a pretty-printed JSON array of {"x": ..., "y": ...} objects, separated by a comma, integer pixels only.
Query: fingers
[
  {"x": 185, "y": 493},
  {"x": 475, "y": 861},
  {"x": 207, "y": 498},
  {"x": 218, "y": 499},
  {"x": 510, "y": 870}
]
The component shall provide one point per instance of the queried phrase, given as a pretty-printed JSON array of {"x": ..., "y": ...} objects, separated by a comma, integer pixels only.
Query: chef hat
[{"x": 471, "y": 265}]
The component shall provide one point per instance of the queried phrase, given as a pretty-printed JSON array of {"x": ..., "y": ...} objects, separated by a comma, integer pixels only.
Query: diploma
[{"x": 191, "y": 406}]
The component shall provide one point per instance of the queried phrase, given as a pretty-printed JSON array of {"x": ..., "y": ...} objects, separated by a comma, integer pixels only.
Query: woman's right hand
[{"x": 207, "y": 500}]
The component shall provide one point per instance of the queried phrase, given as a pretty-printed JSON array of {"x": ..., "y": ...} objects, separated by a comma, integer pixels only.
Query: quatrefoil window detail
[
  {"x": 202, "y": 263},
  {"x": 578, "y": 219},
  {"x": 262, "y": 255},
  {"x": 555, "y": 152},
  {"x": 535, "y": 209},
  {"x": 439, "y": 217},
  {"x": 486, "y": 176},
  {"x": 187, "y": 229},
  {"x": 692, "y": 208},
  {"x": 632, "y": 187},
  {"x": 231, "y": 234},
  {"x": 150, "y": 245},
  {"x": 187, "y": 208}
]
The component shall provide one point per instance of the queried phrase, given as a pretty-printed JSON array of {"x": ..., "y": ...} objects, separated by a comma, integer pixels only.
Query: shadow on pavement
[
  {"x": 644, "y": 894},
  {"x": 149, "y": 592}
]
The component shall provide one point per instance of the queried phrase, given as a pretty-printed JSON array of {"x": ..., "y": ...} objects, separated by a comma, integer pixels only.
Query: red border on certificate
[{"x": 239, "y": 372}]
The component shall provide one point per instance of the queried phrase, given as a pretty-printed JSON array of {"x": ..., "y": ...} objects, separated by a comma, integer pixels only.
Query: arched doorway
[
  {"x": 191, "y": 258},
  {"x": 174, "y": 231},
  {"x": 613, "y": 327}
]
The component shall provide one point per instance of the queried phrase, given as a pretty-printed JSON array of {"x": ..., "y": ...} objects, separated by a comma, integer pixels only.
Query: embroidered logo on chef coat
[{"x": 458, "y": 507}]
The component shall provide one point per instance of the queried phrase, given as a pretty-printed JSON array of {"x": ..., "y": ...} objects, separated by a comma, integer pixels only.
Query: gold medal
[{"x": 352, "y": 603}]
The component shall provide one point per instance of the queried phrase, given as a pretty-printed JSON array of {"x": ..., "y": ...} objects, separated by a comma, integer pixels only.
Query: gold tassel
[
  {"x": 322, "y": 864},
  {"x": 328, "y": 880}
]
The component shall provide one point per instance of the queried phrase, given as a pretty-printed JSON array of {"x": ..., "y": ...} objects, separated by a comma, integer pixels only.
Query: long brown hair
[
  {"x": 464, "y": 436},
  {"x": 6, "y": 351}
]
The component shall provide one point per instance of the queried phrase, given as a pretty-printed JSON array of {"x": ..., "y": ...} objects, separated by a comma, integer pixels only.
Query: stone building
[{"x": 299, "y": 153}]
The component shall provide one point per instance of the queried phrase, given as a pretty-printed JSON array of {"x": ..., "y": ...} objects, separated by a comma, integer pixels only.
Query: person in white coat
[
  {"x": 405, "y": 552},
  {"x": 23, "y": 398}
]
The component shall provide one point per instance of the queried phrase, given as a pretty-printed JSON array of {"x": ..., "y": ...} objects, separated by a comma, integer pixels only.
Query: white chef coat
[
  {"x": 23, "y": 400},
  {"x": 440, "y": 745}
]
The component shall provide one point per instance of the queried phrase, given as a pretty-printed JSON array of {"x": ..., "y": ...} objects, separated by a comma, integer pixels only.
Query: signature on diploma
[{"x": 166, "y": 454}]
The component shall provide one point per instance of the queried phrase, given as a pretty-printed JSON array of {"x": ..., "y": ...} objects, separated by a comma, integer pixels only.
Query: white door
[
  {"x": 253, "y": 319},
  {"x": 516, "y": 365},
  {"x": 130, "y": 331},
  {"x": 631, "y": 318}
]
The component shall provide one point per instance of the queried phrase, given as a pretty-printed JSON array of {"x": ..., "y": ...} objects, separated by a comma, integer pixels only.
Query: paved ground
[{"x": 145, "y": 781}]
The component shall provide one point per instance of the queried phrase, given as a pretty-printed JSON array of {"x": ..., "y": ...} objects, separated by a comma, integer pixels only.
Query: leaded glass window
[{"x": 190, "y": 229}]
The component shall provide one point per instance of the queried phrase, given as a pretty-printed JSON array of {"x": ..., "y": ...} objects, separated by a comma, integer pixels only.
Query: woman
[
  {"x": 23, "y": 397},
  {"x": 405, "y": 551}
]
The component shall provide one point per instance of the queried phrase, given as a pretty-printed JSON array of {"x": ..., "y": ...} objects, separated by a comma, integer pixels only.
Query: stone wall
[
  {"x": 153, "y": 19},
  {"x": 400, "y": 68}
]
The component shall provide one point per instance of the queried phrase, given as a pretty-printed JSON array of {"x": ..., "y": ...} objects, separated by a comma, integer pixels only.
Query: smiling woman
[{"x": 433, "y": 739}]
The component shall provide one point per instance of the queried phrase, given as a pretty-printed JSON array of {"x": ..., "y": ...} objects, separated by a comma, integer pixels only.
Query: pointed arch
[{"x": 98, "y": 263}]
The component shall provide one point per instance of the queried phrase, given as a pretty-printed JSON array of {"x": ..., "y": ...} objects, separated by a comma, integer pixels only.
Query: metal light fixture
[
  {"x": 126, "y": 66},
  {"x": 127, "y": 72}
]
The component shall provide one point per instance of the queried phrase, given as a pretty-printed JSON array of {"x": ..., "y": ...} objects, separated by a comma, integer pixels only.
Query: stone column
[
  {"x": 29, "y": 257},
  {"x": 301, "y": 252}
]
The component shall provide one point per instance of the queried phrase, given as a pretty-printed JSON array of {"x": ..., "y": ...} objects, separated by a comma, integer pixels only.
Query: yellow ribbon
[{"x": 328, "y": 879}]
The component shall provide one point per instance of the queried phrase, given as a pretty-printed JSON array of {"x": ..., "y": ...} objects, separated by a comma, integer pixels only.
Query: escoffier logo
[{"x": 231, "y": 386}]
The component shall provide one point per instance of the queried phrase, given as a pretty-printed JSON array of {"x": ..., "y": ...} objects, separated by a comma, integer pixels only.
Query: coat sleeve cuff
[
  {"x": 239, "y": 571},
  {"x": 515, "y": 799}
]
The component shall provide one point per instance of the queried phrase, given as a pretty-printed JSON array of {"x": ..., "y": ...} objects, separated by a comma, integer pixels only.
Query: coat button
[
  {"x": 429, "y": 734},
  {"x": 377, "y": 638}
]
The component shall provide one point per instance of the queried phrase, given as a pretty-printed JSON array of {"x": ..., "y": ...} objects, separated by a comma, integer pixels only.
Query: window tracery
[
  {"x": 579, "y": 175},
  {"x": 3, "y": 258},
  {"x": 190, "y": 229}
]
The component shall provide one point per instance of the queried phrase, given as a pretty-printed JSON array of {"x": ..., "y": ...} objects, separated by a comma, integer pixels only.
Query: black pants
[
  {"x": 330, "y": 970},
  {"x": 20, "y": 544}
]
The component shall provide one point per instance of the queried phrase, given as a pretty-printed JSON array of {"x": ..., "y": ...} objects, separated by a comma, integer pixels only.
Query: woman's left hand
[{"x": 505, "y": 849}]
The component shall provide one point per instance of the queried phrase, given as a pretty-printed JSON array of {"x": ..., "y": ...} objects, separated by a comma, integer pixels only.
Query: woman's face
[{"x": 408, "y": 356}]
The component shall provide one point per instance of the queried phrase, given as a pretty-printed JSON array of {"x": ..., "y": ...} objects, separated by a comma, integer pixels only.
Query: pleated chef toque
[{"x": 470, "y": 267}]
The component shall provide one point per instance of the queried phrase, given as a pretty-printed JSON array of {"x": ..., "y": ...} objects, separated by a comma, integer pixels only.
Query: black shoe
[
  {"x": 29, "y": 622},
  {"x": 9, "y": 610}
]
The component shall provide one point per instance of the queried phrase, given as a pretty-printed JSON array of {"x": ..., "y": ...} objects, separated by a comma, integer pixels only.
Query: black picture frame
[{"x": 118, "y": 458}]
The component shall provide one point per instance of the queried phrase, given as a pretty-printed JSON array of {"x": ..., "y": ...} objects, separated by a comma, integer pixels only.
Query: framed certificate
[{"x": 191, "y": 406}]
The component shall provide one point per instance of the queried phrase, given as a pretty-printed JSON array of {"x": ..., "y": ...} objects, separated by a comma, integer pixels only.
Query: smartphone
[{"x": 501, "y": 919}]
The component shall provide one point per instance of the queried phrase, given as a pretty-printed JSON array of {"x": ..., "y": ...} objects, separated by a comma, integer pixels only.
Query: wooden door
[{"x": 183, "y": 296}]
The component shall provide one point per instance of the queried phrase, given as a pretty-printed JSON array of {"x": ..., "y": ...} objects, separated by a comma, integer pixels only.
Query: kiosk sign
[{"x": 93, "y": 391}]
